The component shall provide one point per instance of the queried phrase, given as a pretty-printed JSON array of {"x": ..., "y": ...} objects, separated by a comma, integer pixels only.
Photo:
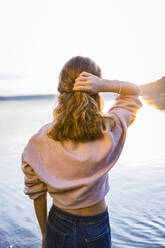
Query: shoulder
[
  {"x": 34, "y": 142},
  {"x": 41, "y": 132}
]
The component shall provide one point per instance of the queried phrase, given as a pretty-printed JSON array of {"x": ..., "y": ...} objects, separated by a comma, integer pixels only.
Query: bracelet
[{"x": 119, "y": 92}]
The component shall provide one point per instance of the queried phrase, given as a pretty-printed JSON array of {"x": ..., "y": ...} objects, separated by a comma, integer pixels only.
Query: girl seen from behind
[{"x": 71, "y": 156}]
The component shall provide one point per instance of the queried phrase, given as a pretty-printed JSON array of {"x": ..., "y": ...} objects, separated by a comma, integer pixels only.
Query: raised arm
[
  {"x": 120, "y": 87},
  {"x": 126, "y": 103},
  {"x": 93, "y": 84}
]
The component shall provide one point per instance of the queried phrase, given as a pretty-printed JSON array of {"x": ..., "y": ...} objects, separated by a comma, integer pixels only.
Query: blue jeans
[{"x": 66, "y": 230}]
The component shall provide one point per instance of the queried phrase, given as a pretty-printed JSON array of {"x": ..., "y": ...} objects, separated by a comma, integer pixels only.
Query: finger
[
  {"x": 81, "y": 78},
  {"x": 81, "y": 83},
  {"x": 85, "y": 73},
  {"x": 81, "y": 88}
]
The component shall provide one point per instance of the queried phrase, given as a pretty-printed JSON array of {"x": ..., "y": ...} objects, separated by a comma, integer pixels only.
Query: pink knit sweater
[{"x": 75, "y": 174}]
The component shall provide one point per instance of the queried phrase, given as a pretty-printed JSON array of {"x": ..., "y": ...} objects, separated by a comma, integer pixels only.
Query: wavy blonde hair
[{"x": 78, "y": 115}]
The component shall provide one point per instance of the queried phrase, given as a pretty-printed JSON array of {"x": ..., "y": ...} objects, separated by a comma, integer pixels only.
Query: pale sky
[{"x": 124, "y": 37}]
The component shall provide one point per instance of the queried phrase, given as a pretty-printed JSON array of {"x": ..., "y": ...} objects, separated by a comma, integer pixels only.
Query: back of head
[{"x": 78, "y": 114}]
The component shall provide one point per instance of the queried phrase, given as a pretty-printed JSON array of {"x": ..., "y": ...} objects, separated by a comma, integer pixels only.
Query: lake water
[{"x": 136, "y": 200}]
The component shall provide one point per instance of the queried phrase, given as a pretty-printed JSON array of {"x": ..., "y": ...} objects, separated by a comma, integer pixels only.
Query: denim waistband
[{"x": 81, "y": 218}]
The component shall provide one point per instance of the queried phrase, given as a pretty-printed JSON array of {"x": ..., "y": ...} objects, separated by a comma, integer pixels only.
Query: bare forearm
[
  {"x": 116, "y": 86},
  {"x": 40, "y": 206},
  {"x": 93, "y": 84}
]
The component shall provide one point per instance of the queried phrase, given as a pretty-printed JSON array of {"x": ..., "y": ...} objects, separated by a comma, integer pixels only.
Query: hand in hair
[{"x": 87, "y": 82}]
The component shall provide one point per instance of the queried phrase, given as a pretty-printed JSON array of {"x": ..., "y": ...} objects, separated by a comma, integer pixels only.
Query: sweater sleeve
[
  {"x": 34, "y": 187},
  {"x": 125, "y": 109}
]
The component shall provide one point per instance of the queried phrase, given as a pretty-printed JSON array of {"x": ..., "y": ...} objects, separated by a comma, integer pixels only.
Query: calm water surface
[{"x": 136, "y": 200}]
